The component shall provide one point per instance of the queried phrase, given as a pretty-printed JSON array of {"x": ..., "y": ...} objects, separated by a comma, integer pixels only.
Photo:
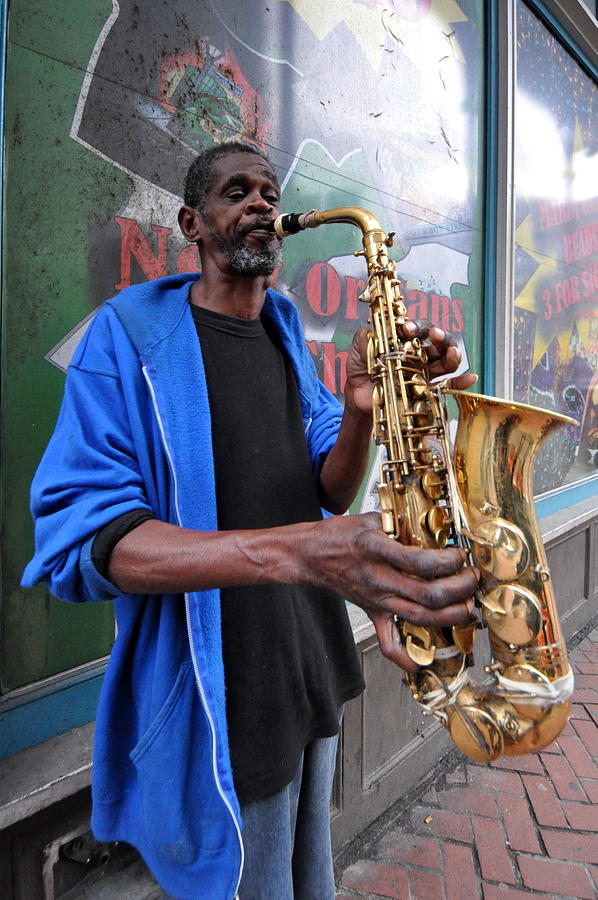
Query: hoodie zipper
[{"x": 198, "y": 680}]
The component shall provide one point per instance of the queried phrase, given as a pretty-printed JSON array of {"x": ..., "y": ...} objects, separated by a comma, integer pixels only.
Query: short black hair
[{"x": 198, "y": 180}]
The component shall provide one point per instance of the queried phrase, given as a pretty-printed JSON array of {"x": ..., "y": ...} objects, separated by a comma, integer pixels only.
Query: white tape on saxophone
[
  {"x": 446, "y": 652},
  {"x": 445, "y": 696},
  {"x": 536, "y": 693}
]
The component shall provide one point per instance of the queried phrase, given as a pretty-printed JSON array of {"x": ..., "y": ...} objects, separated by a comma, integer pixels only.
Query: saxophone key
[
  {"x": 542, "y": 572},
  {"x": 432, "y": 484},
  {"x": 372, "y": 353},
  {"x": 437, "y": 521},
  {"x": 418, "y": 643},
  {"x": 387, "y": 523},
  {"x": 425, "y": 453},
  {"x": 423, "y": 413},
  {"x": 411, "y": 349},
  {"x": 418, "y": 385},
  {"x": 508, "y": 555},
  {"x": 385, "y": 496},
  {"x": 513, "y": 614},
  {"x": 464, "y": 636}
]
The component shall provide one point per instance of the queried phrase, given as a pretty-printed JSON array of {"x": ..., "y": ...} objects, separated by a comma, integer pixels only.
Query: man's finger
[
  {"x": 423, "y": 563},
  {"x": 444, "y": 359},
  {"x": 389, "y": 640},
  {"x": 425, "y": 329},
  {"x": 444, "y": 355},
  {"x": 460, "y": 613},
  {"x": 462, "y": 382}
]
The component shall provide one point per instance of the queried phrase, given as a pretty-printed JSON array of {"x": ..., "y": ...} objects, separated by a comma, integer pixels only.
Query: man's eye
[
  {"x": 235, "y": 195},
  {"x": 272, "y": 198}
]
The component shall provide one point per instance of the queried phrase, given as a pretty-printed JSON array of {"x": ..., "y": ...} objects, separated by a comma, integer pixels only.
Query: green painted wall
[{"x": 54, "y": 190}]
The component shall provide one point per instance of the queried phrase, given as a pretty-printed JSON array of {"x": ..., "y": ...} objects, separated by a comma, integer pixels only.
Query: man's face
[{"x": 242, "y": 200}]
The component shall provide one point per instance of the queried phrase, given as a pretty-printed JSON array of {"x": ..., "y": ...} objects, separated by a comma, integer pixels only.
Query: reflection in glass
[{"x": 556, "y": 248}]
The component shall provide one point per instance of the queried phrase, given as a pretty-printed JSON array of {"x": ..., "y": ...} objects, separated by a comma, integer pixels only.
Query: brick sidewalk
[{"x": 523, "y": 827}]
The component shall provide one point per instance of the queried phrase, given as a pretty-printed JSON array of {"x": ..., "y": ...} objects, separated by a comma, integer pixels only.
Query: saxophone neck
[
  {"x": 291, "y": 223},
  {"x": 351, "y": 215}
]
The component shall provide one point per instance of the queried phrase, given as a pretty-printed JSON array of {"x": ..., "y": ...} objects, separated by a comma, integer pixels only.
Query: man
[{"x": 194, "y": 449}]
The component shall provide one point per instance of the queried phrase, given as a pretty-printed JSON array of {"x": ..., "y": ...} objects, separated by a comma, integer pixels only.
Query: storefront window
[
  {"x": 357, "y": 103},
  {"x": 418, "y": 125},
  {"x": 556, "y": 248}
]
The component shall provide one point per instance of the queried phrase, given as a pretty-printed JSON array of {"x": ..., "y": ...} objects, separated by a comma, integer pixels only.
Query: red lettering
[
  {"x": 134, "y": 244},
  {"x": 554, "y": 214},
  {"x": 590, "y": 280},
  {"x": 440, "y": 311},
  {"x": 543, "y": 216},
  {"x": 313, "y": 348},
  {"x": 188, "y": 260},
  {"x": 580, "y": 243},
  {"x": 548, "y": 311},
  {"x": 354, "y": 287},
  {"x": 558, "y": 293},
  {"x": 458, "y": 323},
  {"x": 418, "y": 310},
  {"x": 323, "y": 289},
  {"x": 566, "y": 293},
  {"x": 444, "y": 311},
  {"x": 567, "y": 248},
  {"x": 334, "y": 363}
]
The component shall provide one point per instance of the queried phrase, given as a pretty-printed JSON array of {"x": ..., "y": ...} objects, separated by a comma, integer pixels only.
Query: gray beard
[{"x": 247, "y": 261}]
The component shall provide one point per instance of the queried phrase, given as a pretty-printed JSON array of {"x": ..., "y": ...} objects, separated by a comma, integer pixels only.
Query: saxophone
[{"x": 478, "y": 498}]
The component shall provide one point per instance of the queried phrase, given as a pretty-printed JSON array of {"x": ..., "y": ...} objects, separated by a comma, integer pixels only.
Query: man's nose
[{"x": 257, "y": 203}]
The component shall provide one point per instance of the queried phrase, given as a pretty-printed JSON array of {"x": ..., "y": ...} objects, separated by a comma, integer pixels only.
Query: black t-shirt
[{"x": 289, "y": 656}]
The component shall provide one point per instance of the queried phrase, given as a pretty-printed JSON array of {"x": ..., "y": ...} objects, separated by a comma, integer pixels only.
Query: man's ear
[{"x": 190, "y": 223}]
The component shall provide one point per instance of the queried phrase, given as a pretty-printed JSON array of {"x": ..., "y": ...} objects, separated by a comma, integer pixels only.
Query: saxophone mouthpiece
[{"x": 291, "y": 223}]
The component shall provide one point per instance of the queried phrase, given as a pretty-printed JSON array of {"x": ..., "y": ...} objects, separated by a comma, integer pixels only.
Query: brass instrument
[{"x": 481, "y": 501}]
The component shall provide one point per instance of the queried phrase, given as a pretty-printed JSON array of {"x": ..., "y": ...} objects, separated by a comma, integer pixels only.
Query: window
[{"x": 556, "y": 247}]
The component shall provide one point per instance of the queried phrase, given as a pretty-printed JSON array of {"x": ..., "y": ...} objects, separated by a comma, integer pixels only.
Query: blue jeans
[{"x": 286, "y": 836}]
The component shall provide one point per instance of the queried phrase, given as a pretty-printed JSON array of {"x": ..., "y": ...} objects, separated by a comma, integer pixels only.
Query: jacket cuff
[{"x": 96, "y": 587}]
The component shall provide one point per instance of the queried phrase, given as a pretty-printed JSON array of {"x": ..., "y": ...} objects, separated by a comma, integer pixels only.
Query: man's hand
[
  {"x": 444, "y": 357},
  {"x": 347, "y": 554},
  {"x": 353, "y": 557},
  {"x": 358, "y": 387}
]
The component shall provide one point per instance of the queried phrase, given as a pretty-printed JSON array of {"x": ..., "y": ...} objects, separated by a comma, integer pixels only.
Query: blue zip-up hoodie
[{"x": 134, "y": 433}]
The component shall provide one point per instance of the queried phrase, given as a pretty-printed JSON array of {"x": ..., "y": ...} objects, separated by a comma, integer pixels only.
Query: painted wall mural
[
  {"x": 395, "y": 132},
  {"x": 374, "y": 103},
  {"x": 556, "y": 288}
]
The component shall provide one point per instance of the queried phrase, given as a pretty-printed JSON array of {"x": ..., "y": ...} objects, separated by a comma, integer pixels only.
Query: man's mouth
[{"x": 260, "y": 230}]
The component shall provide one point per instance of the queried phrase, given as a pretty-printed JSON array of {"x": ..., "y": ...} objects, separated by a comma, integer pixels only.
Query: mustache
[{"x": 260, "y": 223}]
